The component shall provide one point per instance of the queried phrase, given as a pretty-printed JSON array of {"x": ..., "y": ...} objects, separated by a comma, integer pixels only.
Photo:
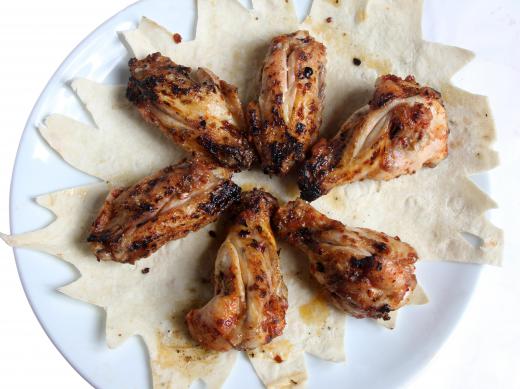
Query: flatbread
[{"x": 432, "y": 210}]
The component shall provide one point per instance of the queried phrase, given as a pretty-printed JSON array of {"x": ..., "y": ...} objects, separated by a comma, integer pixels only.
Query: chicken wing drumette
[
  {"x": 195, "y": 109},
  {"x": 363, "y": 272},
  {"x": 403, "y": 128},
  {"x": 285, "y": 121},
  {"x": 136, "y": 221},
  {"x": 248, "y": 309}
]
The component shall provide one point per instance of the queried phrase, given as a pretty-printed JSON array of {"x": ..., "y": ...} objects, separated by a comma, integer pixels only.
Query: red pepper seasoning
[{"x": 177, "y": 38}]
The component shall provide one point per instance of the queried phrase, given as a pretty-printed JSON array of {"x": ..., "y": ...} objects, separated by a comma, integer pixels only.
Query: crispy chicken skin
[
  {"x": 285, "y": 121},
  {"x": 363, "y": 272},
  {"x": 136, "y": 221},
  {"x": 197, "y": 110},
  {"x": 248, "y": 309},
  {"x": 403, "y": 128}
]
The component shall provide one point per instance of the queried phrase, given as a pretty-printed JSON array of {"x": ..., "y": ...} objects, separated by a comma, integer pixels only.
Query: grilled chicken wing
[
  {"x": 364, "y": 272},
  {"x": 196, "y": 110},
  {"x": 403, "y": 128},
  {"x": 136, "y": 221},
  {"x": 248, "y": 309},
  {"x": 285, "y": 121}
]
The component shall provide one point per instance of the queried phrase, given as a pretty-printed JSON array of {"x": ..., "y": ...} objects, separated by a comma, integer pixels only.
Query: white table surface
[{"x": 482, "y": 352}]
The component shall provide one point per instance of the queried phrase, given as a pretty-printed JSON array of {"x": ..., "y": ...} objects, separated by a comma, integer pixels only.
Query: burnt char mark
[
  {"x": 148, "y": 73},
  {"x": 256, "y": 201},
  {"x": 305, "y": 235},
  {"x": 277, "y": 117},
  {"x": 309, "y": 190},
  {"x": 243, "y": 233},
  {"x": 152, "y": 183},
  {"x": 384, "y": 311},
  {"x": 141, "y": 244},
  {"x": 282, "y": 152},
  {"x": 231, "y": 156},
  {"x": 311, "y": 175},
  {"x": 177, "y": 90},
  {"x": 253, "y": 120},
  {"x": 365, "y": 263},
  {"x": 335, "y": 282},
  {"x": 381, "y": 99},
  {"x": 101, "y": 237},
  {"x": 221, "y": 198},
  {"x": 145, "y": 207},
  {"x": 390, "y": 86},
  {"x": 395, "y": 127},
  {"x": 380, "y": 247},
  {"x": 142, "y": 91},
  {"x": 325, "y": 156},
  {"x": 306, "y": 73}
]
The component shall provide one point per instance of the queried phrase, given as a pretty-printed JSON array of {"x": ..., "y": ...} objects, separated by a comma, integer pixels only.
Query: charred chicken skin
[
  {"x": 285, "y": 121},
  {"x": 196, "y": 110},
  {"x": 248, "y": 309},
  {"x": 136, "y": 221},
  {"x": 403, "y": 128},
  {"x": 363, "y": 272}
]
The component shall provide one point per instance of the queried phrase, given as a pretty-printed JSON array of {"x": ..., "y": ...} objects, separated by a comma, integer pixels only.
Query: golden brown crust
[
  {"x": 136, "y": 221},
  {"x": 197, "y": 110},
  {"x": 403, "y": 128},
  {"x": 285, "y": 121},
  {"x": 248, "y": 309},
  {"x": 363, "y": 272}
]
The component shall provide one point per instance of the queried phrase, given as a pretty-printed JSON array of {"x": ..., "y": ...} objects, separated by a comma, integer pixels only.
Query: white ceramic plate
[{"x": 377, "y": 358}]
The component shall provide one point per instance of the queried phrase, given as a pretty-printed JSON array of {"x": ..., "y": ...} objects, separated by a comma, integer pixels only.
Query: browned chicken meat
[
  {"x": 248, "y": 309},
  {"x": 403, "y": 128},
  {"x": 285, "y": 121},
  {"x": 363, "y": 272},
  {"x": 197, "y": 110},
  {"x": 136, "y": 221}
]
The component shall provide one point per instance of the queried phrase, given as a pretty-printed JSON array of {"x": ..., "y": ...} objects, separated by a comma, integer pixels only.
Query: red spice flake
[
  {"x": 329, "y": 19},
  {"x": 278, "y": 359},
  {"x": 177, "y": 38}
]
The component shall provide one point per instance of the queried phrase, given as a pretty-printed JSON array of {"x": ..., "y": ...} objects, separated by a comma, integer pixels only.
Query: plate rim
[{"x": 87, "y": 40}]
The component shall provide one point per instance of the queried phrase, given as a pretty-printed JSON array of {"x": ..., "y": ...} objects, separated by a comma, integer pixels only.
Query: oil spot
[
  {"x": 381, "y": 66},
  {"x": 315, "y": 312},
  {"x": 361, "y": 16},
  {"x": 183, "y": 358}
]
